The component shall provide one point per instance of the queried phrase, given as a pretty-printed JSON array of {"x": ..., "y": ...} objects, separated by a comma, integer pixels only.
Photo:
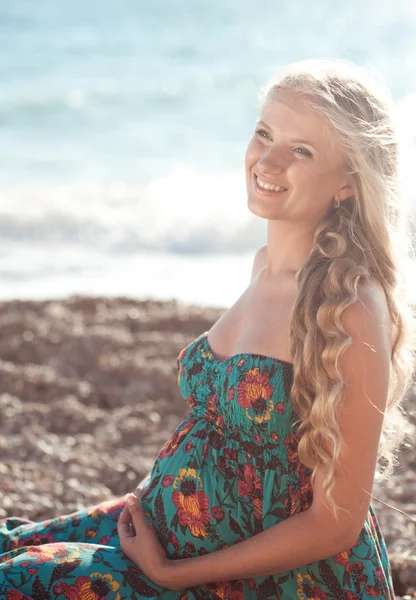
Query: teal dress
[{"x": 229, "y": 471}]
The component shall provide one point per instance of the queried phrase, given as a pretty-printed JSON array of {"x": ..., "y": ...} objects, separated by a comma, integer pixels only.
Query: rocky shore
[{"x": 88, "y": 395}]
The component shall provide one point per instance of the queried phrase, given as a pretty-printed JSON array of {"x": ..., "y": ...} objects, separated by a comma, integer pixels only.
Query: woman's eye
[
  {"x": 303, "y": 151},
  {"x": 298, "y": 149},
  {"x": 261, "y": 131}
]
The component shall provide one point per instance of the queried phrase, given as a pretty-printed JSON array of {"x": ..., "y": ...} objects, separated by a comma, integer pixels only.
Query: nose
[{"x": 271, "y": 163}]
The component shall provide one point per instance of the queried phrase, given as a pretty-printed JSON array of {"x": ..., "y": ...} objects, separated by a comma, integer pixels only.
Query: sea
[{"x": 123, "y": 129}]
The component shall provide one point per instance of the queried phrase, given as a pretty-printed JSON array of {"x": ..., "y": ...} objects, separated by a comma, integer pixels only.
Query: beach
[{"x": 89, "y": 395}]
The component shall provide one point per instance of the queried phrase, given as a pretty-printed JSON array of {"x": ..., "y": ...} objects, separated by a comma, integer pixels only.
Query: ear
[{"x": 346, "y": 191}]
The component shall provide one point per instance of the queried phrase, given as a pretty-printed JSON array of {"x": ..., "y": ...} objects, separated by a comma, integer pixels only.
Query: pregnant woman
[{"x": 264, "y": 490}]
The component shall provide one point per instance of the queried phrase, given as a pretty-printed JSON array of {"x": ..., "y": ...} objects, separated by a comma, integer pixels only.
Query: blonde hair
[{"x": 366, "y": 237}]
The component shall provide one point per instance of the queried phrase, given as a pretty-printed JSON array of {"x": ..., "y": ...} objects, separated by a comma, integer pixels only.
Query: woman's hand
[{"x": 142, "y": 545}]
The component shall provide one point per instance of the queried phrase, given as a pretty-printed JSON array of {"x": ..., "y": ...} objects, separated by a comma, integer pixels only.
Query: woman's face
[{"x": 294, "y": 148}]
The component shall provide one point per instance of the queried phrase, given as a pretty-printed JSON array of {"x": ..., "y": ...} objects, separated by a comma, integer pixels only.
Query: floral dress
[{"x": 229, "y": 471}]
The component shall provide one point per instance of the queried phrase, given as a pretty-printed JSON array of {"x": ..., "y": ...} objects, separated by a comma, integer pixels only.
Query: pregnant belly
[{"x": 197, "y": 497}]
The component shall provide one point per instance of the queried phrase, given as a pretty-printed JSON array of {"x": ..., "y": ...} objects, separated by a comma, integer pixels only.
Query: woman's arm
[{"x": 314, "y": 534}]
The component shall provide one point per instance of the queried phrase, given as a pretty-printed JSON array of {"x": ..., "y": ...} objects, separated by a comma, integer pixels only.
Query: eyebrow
[{"x": 296, "y": 141}]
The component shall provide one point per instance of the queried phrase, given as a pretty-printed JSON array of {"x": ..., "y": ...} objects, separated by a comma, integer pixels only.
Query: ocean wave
[{"x": 186, "y": 211}]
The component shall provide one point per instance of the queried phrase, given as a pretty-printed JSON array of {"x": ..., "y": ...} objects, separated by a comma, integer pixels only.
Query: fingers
[
  {"x": 125, "y": 516},
  {"x": 123, "y": 524},
  {"x": 136, "y": 510},
  {"x": 130, "y": 518},
  {"x": 134, "y": 504}
]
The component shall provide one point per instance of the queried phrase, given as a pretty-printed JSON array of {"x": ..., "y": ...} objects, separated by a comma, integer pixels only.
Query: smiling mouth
[{"x": 266, "y": 188}]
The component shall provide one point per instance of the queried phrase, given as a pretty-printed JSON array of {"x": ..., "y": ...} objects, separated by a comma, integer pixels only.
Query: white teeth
[{"x": 268, "y": 186}]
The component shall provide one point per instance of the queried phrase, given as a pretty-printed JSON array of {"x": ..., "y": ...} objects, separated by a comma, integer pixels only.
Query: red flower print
[
  {"x": 176, "y": 438},
  {"x": 230, "y": 368},
  {"x": 231, "y": 393},
  {"x": 318, "y": 594},
  {"x": 15, "y": 595},
  {"x": 291, "y": 444},
  {"x": 217, "y": 513},
  {"x": 379, "y": 587},
  {"x": 236, "y": 595},
  {"x": 343, "y": 558},
  {"x": 274, "y": 436},
  {"x": 36, "y": 539},
  {"x": 254, "y": 395},
  {"x": 250, "y": 484},
  {"x": 205, "y": 449},
  {"x": 190, "y": 547},
  {"x": 104, "y": 540},
  {"x": 258, "y": 438},
  {"x": 191, "y": 502},
  {"x": 188, "y": 447},
  {"x": 228, "y": 590},
  {"x": 280, "y": 408},
  {"x": 299, "y": 494},
  {"x": 168, "y": 480},
  {"x": 222, "y": 465},
  {"x": 357, "y": 569},
  {"x": 230, "y": 454},
  {"x": 174, "y": 540}
]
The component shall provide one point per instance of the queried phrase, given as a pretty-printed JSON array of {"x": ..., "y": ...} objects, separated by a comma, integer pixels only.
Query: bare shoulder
[
  {"x": 371, "y": 303},
  {"x": 259, "y": 262},
  {"x": 368, "y": 319}
]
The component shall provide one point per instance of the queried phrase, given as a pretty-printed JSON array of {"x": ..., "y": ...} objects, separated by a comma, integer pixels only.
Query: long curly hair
[{"x": 367, "y": 236}]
